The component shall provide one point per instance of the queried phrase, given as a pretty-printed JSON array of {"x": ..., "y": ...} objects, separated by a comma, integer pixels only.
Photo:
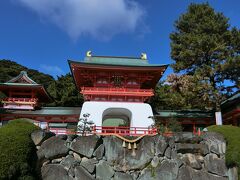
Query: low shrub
[
  {"x": 232, "y": 136},
  {"x": 17, "y": 151}
]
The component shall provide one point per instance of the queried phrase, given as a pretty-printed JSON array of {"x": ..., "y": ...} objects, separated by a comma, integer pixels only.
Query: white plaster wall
[{"x": 140, "y": 112}]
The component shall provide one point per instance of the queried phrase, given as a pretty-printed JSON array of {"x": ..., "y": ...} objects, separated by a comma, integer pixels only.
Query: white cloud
[
  {"x": 101, "y": 19},
  {"x": 53, "y": 70}
]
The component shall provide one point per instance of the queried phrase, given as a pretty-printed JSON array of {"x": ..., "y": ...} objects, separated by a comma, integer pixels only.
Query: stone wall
[{"x": 180, "y": 157}]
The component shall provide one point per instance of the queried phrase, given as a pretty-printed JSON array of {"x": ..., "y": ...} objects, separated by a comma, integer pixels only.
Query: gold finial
[
  {"x": 89, "y": 53},
  {"x": 143, "y": 56}
]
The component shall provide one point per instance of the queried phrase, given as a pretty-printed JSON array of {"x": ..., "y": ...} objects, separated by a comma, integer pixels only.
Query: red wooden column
[
  {"x": 194, "y": 128},
  {"x": 32, "y": 94},
  {"x": 234, "y": 120},
  {"x": 10, "y": 93},
  {"x": 47, "y": 121}
]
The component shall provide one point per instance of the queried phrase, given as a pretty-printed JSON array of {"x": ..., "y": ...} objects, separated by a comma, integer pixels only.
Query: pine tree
[{"x": 204, "y": 46}]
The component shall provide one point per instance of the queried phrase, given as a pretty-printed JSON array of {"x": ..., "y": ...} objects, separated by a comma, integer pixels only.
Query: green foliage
[
  {"x": 180, "y": 92},
  {"x": 204, "y": 46},
  {"x": 232, "y": 136},
  {"x": 164, "y": 98},
  {"x": 85, "y": 124},
  {"x": 64, "y": 92},
  {"x": 10, "y": 69},
  {"x": 172, "y": 125},
  {"x": 17, "y": 150}
]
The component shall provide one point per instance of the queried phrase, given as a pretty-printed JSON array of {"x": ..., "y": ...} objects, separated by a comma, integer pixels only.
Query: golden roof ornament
[
  {"x": 143, "y": 56},
  {"x": 89, "y": 54}
]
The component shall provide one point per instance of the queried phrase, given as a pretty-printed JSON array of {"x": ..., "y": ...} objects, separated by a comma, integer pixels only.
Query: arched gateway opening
[
  {"x": 116, "y": 120},
  {"x": 116, "y": 117}
]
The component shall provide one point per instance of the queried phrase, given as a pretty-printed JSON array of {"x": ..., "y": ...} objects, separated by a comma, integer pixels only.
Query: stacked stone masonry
[{"x": 180, "y": 157}]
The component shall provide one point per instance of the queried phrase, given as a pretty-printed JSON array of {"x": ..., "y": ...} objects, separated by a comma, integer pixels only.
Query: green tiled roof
[
  {"x": 122, "y": 61},
  {"x": 234, "y": 97},
  {"x": 18, "y": 84},
  {"x": 46, "y": 111},
  {"x": 24, "y": 75},
  {"x": 58, "y": 125},
  {"x": 184, "y": 114},
  {"x": 14, "y": 81}
]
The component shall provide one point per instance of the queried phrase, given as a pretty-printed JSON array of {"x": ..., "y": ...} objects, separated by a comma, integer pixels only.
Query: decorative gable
[{"x": 22, "y": 78}]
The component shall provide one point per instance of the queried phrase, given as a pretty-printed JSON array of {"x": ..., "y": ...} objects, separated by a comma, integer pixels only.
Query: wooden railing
[
  {"x": 101, "y": 130},
  {"x": 123, "y": 131}
]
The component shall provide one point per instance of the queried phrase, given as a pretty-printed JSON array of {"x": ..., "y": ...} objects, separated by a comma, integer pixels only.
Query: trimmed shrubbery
[
  {"x": 17, "y": 151},
  {"x": 232, "y": 136}
]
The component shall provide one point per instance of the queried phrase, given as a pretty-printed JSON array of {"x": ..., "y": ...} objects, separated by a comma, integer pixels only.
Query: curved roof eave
[{"x": 115, "y": 65}]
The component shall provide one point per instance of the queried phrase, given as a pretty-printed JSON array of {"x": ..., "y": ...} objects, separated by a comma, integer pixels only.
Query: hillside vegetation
[{"x": 10, "y": 69}]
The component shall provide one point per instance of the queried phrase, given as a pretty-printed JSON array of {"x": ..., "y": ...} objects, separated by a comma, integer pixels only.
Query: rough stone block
[
  {"x": 85, "y": 145},
  {"x": 82, "y": 174},
  {"x": 104, "y": 170},
  {"x": 99, "y": 152},
  {"x": 53, "y": 172},
  {"x": 38, "y": 136},
  {"x": 215, "y": 165},
  {"x": 52, "y": 148}
]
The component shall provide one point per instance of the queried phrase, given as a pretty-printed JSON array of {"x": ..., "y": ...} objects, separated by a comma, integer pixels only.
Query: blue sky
[{"x": 43, "y": 34}]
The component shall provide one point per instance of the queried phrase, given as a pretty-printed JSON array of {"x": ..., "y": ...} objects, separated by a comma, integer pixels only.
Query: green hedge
[
  {"x": 232, "y": 136},
  {"x": 17, "y": 151}
]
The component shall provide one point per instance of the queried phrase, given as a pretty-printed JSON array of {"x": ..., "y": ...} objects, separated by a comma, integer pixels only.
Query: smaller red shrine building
[
  {"x": 23, "y": 93},
  {"x": 25, "y": 99},
  {"x": 231, "y": 110}
]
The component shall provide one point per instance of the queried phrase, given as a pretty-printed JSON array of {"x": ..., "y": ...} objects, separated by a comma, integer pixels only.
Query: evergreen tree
[
  {"x": 205, "y": 47},
  {"x": 167, "y": 98},
  {"x": 181, "y": 92},
  {"x": 84, "y": 126},
  {"x": 64, "y": 92}
]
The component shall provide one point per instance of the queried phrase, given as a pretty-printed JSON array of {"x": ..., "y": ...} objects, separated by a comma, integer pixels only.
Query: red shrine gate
[{"x": 117, "y": 83}]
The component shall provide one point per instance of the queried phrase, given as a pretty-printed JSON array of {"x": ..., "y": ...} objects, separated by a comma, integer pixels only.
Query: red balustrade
[
  {"x": 117, "y": 91},
  {"x": 112, "y": 130},
  {"x": 123, "y": 131},
  {"x": 101, "y": 130},
  {"x": 17, "y": 100}
]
